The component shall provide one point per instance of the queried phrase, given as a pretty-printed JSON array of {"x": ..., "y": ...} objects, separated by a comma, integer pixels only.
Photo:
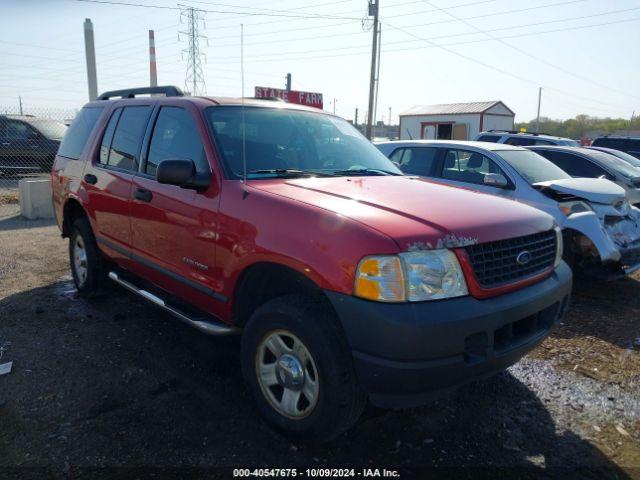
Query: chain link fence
[{"x": 29, "y": 140}]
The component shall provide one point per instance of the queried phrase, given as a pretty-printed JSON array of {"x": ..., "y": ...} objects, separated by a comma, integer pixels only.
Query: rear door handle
[
  {"x": 91, "y": 178},
  {"x": 143, "y": 195}
]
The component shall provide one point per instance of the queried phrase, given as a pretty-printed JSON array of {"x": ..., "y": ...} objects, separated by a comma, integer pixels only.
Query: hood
[
  {"x": 415, "y": 212},
  {"x": 598, "y": 190}
]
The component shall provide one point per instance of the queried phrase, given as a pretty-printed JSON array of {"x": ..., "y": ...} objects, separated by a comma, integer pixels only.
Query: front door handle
[
  {"x": 143, "y": 195},
  {"x": 91, "y": 178}
]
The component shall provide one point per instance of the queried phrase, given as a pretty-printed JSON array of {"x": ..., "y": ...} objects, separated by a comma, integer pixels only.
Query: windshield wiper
[
  {"x": 364, "y": 171},
  {"x": 287, "y": 172}
]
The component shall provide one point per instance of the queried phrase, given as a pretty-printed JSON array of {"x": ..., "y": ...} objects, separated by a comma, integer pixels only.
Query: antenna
[{"x": 244, "y": 136}]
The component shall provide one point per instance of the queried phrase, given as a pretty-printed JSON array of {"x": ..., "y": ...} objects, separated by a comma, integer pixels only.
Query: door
[
  {"x": 108, "y": 178},
  {"x": 173, "y": 228},
  {"x": 428, "y": 131},
  {"x": 468, "y": 169}
]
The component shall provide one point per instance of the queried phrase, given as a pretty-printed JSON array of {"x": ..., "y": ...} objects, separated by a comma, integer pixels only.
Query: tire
[
  {"x": 339, "y": 400},
  {"x": 87, "y": 264}
]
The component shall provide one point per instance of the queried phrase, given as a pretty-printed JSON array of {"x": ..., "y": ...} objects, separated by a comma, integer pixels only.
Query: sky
[{"x": 583, "y": 53}]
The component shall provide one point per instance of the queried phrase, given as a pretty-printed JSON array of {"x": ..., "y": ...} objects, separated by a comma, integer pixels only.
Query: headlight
[
  {"x": 577, "y": 206},
  {"x": 559, "y": 248},
  {"x": 411, "y": 276}
]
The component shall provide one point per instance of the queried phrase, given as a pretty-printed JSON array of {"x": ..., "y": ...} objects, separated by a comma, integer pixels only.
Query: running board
[{"x": 207, "y": 326}]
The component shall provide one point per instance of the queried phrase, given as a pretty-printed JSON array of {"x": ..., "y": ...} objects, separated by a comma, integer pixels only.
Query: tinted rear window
[
  {"x": 127, "y": 139},
  {"x": 78, "y": 133}
]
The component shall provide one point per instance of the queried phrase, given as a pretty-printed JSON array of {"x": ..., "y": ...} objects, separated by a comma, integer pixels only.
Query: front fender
[{"x": 589, "y": 225}]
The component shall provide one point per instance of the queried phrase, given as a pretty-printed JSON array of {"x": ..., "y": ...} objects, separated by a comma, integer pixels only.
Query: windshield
[
  {"x": 283, "y": 142},
  {"x": 531, "y": 166},
  {"x": 569, "y": 143},
  {"x": 614, "y": 163},
  {"x": 49, "y": 128}
]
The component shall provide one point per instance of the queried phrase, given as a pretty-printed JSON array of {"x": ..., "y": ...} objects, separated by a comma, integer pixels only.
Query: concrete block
[{"x": 35, "y": 198}]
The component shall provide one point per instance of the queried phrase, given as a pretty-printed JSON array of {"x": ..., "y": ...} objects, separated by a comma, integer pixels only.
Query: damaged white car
[{"x": 601, "y": 229}]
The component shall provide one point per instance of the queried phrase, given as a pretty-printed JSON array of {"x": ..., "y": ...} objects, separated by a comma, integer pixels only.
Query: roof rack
[
  {"x": 523, "y": 133},
  {"x": 169, "y": 91}
]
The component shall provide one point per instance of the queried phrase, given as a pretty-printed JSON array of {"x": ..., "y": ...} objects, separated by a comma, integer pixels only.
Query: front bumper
[{"x": 403, "y": 353}]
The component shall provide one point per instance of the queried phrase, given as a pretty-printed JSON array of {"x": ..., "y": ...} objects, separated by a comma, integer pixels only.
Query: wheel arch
[
  {"x": 71, "y": 211},
  {"x": 264, "y": 281}
]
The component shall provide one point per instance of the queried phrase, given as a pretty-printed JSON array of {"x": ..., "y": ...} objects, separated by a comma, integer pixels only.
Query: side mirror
[
  {"x": 495, "y": 180},
  {"x": 181, "y": 173}
]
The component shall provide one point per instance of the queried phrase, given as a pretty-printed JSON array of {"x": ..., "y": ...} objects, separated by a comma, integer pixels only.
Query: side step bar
[{"x": 210, "y": 327}]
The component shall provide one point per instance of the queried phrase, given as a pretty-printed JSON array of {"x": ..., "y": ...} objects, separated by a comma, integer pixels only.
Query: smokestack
[
  {"x": 153, "y": 70},
  {"x": 90, "y": 54}
]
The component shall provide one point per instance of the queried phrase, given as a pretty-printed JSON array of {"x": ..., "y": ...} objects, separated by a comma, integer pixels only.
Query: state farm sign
[{"x": 292, "y": 96}]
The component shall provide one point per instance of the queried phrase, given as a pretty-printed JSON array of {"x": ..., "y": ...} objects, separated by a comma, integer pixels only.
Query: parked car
[
  {"x": 589, "y": 163},
  {"x": 601, "y": 230},
  {"x": 630, "y": 145},
  {"x": 28, "y": 143},
  {"x": 630, "y": 159},
  {"x": 348, "y": 280},
  {"x": 514, "y": 137}
]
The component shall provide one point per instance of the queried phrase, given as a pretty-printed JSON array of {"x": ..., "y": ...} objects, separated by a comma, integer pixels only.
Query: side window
[
  {"x": 78, "y": 133},
  {"x": 415, "y": 160},
  {"x": 542, "y": 142},
  {"x": 108, "y": 137},
  {"x": 573, "y": 164},
  {"x": 469, "y": 167},
  {"x": 127, "y": 138},
  {"x": 175, "y": 136},
  {"x": 489, "y": 138},
  {"x": 17, "y": 130},
  {"x": 520, "y": 141}
]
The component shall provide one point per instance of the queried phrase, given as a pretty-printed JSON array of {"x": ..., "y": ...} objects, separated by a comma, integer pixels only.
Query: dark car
[
  {"x": 589, "y": 163},
  {"x": 28, "y": 144},
  {"x": 630, "y": 145}
]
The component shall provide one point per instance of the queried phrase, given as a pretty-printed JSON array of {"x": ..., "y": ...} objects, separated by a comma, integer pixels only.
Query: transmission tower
[{"x": 194, "y": 79}]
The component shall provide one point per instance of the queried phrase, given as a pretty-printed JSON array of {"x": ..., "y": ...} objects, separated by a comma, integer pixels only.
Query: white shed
[{"x": 454, "y": 121}]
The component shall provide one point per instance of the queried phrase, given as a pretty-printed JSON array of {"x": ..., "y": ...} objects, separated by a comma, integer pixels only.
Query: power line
[
  {"x": 531, "y": 55},
  {"x": 491, "y": 67},
  {"x": 223, "y": 12}
]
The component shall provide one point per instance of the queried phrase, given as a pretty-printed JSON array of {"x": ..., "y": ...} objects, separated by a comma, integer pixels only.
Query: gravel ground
[{"x": 114, "y": 387}]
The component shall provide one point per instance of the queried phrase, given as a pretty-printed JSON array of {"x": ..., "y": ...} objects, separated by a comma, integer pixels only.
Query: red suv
[{"x": 348, "y": 280}]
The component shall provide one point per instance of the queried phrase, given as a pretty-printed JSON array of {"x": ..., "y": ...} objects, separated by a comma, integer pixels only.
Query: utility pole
[
  {"x": 538, "y": 117},
  {"x": 355, "y": 121},
  {"x": 334, "y": 105},
  {"x": 633, "y": 114},
  {"x": 374, "y": 9},
  {"x": 390, "y": 123},
  {"x": 194, "y": 78},
  {"x": 288, "y": 82},
  {"x": 90, "y": 55},
  {"x": 20, "y": 101},
  {"x": 153, "y": 69}
]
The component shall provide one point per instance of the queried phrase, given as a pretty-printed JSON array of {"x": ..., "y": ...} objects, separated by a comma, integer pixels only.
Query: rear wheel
[
  {"x": 298, "y": 367},
  {"x": 87, "y": 264}
]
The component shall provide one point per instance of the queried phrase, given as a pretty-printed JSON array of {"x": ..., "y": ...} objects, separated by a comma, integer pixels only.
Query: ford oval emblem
[{"x": 523, "y": 258}]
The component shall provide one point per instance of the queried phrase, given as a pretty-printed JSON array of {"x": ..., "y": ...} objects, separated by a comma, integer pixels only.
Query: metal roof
[{"x": 453, "y": 108}]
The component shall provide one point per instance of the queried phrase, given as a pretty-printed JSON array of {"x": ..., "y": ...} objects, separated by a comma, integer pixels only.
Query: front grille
[{"x": 495, "y": 264}]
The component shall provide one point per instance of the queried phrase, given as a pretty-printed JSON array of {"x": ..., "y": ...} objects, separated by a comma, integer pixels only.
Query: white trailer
[{"x": 454, "y": 121}]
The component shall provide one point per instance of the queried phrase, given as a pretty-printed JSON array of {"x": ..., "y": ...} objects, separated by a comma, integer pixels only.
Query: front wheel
[{"x": 298, "y": 367}]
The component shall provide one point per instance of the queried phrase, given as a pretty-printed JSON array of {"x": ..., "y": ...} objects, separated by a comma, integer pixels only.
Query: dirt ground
[{"x": 115, "y": 388}]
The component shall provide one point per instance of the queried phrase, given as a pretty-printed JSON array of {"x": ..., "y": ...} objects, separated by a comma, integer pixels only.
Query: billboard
[{"x": 309, "y": 99}]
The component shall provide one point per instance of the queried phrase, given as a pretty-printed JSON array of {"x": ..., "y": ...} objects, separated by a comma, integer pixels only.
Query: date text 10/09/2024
[{"x": 316, "y": 473}]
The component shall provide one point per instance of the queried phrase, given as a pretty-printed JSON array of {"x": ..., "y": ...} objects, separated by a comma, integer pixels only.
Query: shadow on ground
[{"x": 115, "y": 384}]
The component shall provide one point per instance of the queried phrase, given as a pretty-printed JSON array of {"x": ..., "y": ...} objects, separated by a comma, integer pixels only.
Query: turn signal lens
[{"x": 380, "y": 278}]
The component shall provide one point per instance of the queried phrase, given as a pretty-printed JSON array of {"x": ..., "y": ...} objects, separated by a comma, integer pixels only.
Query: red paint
[
  {"x": 320, "y": 227},
  {"x": 309, "y": 99}
]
